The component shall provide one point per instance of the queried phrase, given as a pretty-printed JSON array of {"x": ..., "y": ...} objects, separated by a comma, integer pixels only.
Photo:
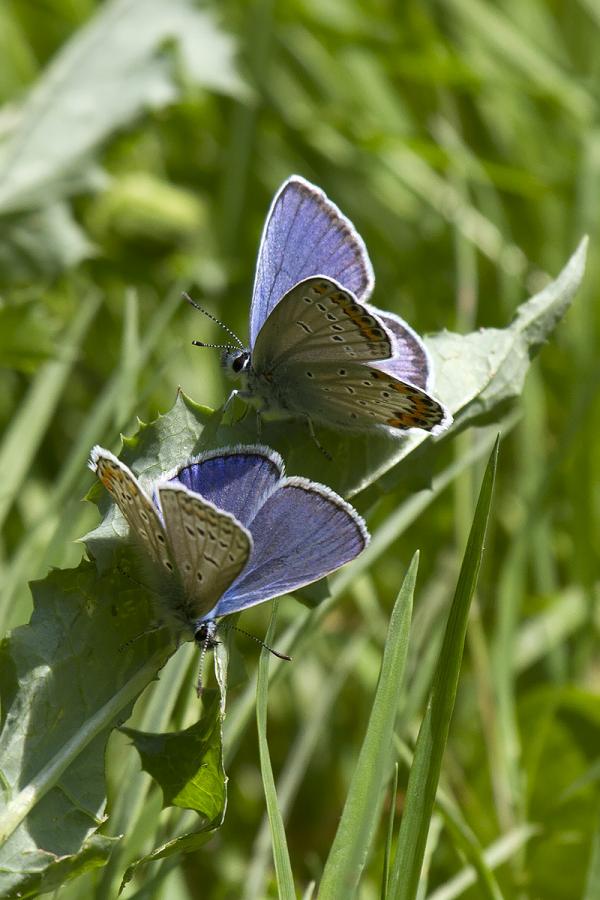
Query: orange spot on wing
[
  {"x": 366, "y": 324},
  {"x": 399, "y": 423}
]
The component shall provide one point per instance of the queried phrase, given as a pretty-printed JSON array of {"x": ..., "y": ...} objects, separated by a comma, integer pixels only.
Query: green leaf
[
  {"x": 111, "y": 71},
  {"x": 48, "y": 871},
  {"x": 202, "y": 784},
  {"x": 188, "y": 765},
  {"x": 433, "y": 734},
  {"x": 479, "y": 372},
  {"x": 64, "y": 684},
  {"x": 354, "y": 835}
]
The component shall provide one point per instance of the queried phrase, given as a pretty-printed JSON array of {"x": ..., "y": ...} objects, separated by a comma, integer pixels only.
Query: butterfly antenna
[
  {"x": 218, "y": 322},
  {"x": 258, "y": 641},
  {"x": 215, "y": 346}
]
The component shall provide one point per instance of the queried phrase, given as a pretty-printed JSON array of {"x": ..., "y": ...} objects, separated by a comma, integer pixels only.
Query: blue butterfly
[
  {"x": 318, "y": 349},
  {"x": 229, "y": 530}
]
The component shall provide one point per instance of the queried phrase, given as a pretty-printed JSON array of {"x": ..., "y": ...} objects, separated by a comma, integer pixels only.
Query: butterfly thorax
[{"x": 257, "y": 388}]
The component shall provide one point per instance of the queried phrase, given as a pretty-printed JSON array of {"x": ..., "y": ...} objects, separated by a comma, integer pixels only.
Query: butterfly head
[
  {"x": 205, "y": 634},
  {"x": 235, "y": 361}
]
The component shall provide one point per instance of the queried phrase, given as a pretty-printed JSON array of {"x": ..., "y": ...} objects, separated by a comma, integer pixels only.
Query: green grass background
[{"x": 463, "y": 140}]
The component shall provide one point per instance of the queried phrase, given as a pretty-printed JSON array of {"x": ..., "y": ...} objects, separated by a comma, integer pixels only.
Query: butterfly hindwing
[
  {"x": 319, "y": 320},
  {"x": 209, "y": 546},
  {"x": 137, "y": 508},
  {"x": 316, "y": 532},
  {"x": 358, "y": 396},
  {"x": 305, "y": 234},
  {"x": 234, "y": 479},
  {"x": 411, "y": 361}
]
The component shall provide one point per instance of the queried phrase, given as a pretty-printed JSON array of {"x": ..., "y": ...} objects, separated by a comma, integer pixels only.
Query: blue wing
[
  {"x": 303, "y": 532},
  {"x": 410, "y": 360},
  {"x": 236, "y": 479},
  {"x": 305, "y": 234}
]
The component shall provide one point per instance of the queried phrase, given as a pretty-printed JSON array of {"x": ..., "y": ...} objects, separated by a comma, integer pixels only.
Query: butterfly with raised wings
[{"x": 318, "y": 349}]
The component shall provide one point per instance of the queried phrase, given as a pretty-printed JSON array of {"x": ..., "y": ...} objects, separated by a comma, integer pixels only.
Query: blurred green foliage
[{"x": 463, "y": 140}]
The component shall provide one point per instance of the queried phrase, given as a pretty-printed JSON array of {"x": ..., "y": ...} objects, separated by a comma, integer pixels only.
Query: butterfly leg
[
  {"x": 311, "y": 429},
  {"x": 227, "y": 403},
  {"x": 234, "y": 393}
]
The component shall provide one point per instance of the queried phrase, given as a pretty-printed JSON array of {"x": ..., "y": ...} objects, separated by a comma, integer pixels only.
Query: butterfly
[
  {"x": 318, "y": 349},
  {"x": 228, "y": 530}
]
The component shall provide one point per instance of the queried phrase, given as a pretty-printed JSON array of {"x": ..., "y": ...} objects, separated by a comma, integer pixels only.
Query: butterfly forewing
[
  {"x": 319, "y": 320},
  {"x": 358, "y": 396},
  {"x": 139, "y": 511},
  {"x": 305, "y": 234},
  {"x": 209, "y": 546}
]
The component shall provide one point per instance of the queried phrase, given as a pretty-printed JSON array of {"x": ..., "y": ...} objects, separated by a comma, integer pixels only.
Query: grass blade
[
  {"x": 466, "y": 843},
  {"x": 353, "y": 838},
  {"x": 496, "y": 854},
  {"x": 431, "y": 743},
  {"x": 22, "y": 440},
  {"x": 592, "y": 887},
  {"x": 283, "y": 868},
  {"x": 385, "y": 878},
  {"x": 299, "y": 757}
]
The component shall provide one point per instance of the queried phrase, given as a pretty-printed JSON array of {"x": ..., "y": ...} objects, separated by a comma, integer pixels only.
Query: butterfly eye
[{"x": 239, "y": 363}]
